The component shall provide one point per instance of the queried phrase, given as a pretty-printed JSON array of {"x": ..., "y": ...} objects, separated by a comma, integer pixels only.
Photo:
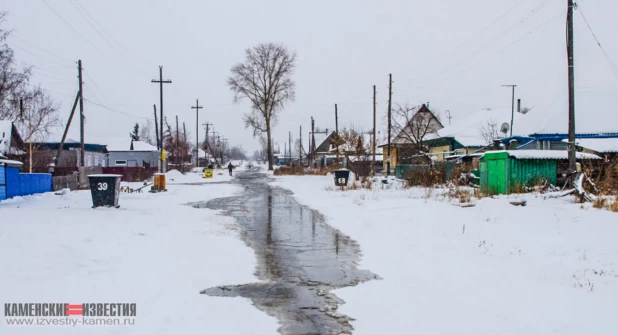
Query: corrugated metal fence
[{"x": 33, "y": 183}]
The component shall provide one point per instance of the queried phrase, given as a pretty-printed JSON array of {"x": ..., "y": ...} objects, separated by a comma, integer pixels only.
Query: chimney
[
  {"x": 496, "y": 144},
  {"x": 518, "y": 105},
  {"x": 513, "y": 144}
]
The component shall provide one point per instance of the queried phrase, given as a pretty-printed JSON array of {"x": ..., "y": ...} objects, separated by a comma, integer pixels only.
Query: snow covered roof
[
  {"x": 143, "y": 146},
  {"x": 544, "y": 154},
  {"x": 121, "y": 144},
  {"x": 320, "y": 138},
  {"x": 602, "y": 145},
  {"x": 10, "y": 162}
]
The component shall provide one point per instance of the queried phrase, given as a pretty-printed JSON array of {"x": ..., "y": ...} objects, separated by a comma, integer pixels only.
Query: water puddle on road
[{"x": 300, "y": 259}]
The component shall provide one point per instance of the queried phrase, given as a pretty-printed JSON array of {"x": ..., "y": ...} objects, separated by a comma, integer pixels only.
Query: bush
[{"x": 426, "y": 177}]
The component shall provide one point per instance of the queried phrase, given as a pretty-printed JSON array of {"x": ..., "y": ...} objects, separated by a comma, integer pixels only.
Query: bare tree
[
  {"x": 413, "y": 125},
  {"x": 39, "y": 119},
  {"x": 490, "y": 131},
  {"x": 13, "y": 80},
  {"x": 265, "y": 79}
]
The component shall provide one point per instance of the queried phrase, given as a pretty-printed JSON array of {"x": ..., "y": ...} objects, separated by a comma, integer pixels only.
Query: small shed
[
  {"x": 9, "y": 178},
  {"x": 503, "y": 171}
]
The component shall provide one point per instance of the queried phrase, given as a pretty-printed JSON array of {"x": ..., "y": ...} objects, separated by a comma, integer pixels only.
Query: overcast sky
[{"x": 453, "y": 54}]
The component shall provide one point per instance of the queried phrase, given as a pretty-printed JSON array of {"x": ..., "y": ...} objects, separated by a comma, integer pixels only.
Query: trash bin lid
[{"x": 104, "y": 175}]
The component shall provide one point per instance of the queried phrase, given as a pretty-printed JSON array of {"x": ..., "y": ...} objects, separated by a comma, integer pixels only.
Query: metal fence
[{"x": 68, "y": 181}]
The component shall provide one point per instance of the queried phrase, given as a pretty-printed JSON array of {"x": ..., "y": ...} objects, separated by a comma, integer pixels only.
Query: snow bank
[
  {"x": 494, "y": 268},
  {"x": 154, "y": 251}
]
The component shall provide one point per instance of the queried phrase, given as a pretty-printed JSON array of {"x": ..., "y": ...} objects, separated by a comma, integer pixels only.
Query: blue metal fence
[
  {"x": 2, "y": 182},
  {"x": 12, "y": 182},
  {"x": 33, "y": 183}
]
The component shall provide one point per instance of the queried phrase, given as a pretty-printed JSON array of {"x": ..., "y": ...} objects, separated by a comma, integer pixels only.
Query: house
[
  {"x": 11, "y": 143},
  {"x": 70, "y": 156},
  {"x": 132, "y": 154},
  {"x": 424, "y": 123}
]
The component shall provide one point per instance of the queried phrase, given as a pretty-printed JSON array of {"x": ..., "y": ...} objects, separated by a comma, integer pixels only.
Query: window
[{"x": 120, "y": 163}]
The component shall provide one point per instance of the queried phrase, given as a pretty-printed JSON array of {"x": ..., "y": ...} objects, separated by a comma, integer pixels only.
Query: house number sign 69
[{"x": 102, "y": 186}]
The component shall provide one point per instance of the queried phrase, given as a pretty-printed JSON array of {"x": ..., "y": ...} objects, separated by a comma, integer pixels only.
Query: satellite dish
[{"x": 505, "y": 128}]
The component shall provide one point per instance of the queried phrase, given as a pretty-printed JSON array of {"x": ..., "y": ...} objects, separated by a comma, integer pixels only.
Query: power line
[
  {"x": 115, "y": 110},
  {"x": 110, "y": 36},
  {"x": 79, "y": 34},
  {"x": 612, "y": 65},
  {"x": 488, "y": 44},
  {"x": 46, "y": 51},
  {"x": 97, "y": 30},
  {"x": 507, "y": 47},
  {"x": 493, "y": 23}
]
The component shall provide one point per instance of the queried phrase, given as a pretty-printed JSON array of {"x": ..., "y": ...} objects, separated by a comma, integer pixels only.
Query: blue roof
[{"x": 68, "y": 145}]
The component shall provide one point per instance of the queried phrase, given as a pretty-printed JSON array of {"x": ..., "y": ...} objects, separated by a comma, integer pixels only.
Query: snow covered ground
[
  {"x": 154, "y": 251},
  {"x": 550, "y": 267}
]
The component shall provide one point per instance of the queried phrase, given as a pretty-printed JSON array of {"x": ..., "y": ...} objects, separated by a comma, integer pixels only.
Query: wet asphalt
[{"x": 300, "y": 258}]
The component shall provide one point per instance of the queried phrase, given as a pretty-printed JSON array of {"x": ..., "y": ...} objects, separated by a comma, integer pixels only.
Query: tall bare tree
[
  {"x": 13, "y": 80},
  {"x": 265, "y": 78},
  {"x": 413, "y": 125},
  {"x": 39, "y": 119}
]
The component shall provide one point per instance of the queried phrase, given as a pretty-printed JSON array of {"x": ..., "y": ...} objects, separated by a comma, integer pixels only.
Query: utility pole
[
  {"x": 66, "y": 130},
  {"x": 206, "y": 148},
  {"x": 300, "y": 147},
  {"x": 156, "y": 127},
  {"x": 177, "y": 141},
  {"x": 571, "y": 64},
  {"x": 390, "y": 95},
  {"x": 373, "y": 167},
  {"x": 81, "y": 114},
  {"x": 290, "y": 146},
  {"x": 312, "y": 139},
  {"x": 337, "y": 131},
  {"x": 197, "y": 108},
  {"x": 184, "y": 130},
  {"x": 161, "y": 82},
  {"x": 512, "y": 106}
]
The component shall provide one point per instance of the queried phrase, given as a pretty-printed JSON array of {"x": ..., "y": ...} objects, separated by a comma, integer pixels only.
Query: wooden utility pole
[
  {"x": 300, "y": 147},
  {"x": 512, "y": 106},
  {"x": 81, "y": 115},
  {"x": 177, "y": 154},
  {"x": 206, "y": 144},
  {"x": 197, "y": 108},
  {"x": 66, "y": 130},
  {"x": 373, "y": 168},
  {"x": 290, "y": 146},
  {"x": 156, "y": 127},
  {"x": 312, "y": 139},
  {"x": 161, "y": 82},
  {"x": 571, "y": 71},
  {"x": 337, "y": 131},
  {"x": 390, "y": 95},
  {"x": 184, "y": 130}
]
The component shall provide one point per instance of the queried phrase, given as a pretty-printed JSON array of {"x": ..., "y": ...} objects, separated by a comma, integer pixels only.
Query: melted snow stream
[{"x": 300, "y": 259}]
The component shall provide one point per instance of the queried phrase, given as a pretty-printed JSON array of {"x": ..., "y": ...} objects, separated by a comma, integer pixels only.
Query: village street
[{"x": 317, "y": 260}]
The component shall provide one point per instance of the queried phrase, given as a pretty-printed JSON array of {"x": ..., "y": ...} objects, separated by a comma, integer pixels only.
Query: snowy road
[{"x": 300, "y": 258}]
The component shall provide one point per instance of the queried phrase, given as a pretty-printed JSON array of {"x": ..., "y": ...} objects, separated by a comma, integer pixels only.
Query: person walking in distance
[{"x": 230, "y": 167}]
